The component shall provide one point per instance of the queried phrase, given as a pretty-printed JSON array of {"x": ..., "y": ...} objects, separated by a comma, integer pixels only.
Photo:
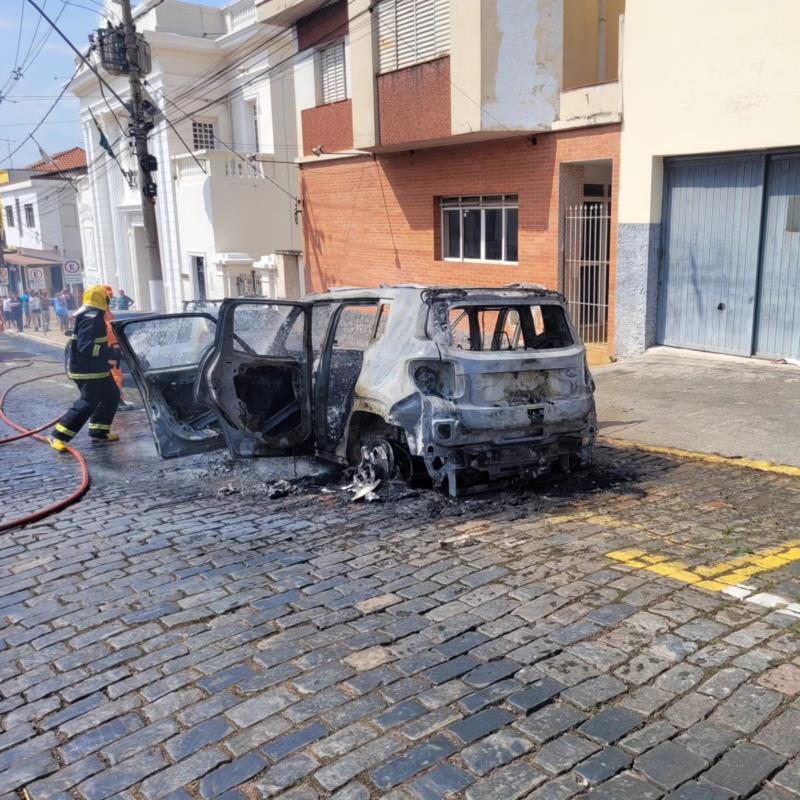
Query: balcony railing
[
  {"x": 222, "y": 164},
  {"x": 239, "y": 15}
]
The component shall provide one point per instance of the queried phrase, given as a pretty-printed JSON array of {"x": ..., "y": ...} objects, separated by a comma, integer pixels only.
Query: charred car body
[{"x": 467, "y": 385}]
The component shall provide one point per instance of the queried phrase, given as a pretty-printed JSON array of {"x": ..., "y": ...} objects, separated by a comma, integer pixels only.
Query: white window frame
[
  {"x": 30, "y": 216},
  {"x": 9, "y": 217},
  {"x": 201, "y": 129},
  {"x": 467, "y": 203},
  {"x": 425, "y": 37},
  {"x": 340, "y": 93}
]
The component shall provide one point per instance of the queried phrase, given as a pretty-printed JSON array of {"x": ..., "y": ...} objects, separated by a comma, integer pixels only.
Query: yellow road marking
[
  {"x": 747, "y": 463},
  {"x": 604, "y": 520},
  {"x": 716, "y": 577}
]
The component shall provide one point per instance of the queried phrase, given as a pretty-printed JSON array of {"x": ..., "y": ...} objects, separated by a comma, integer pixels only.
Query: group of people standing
[{"x": 34, "y": 310}]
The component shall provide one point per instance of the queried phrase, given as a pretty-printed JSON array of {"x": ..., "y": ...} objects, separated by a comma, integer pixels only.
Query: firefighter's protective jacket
[{"x": 89, "y": 352}]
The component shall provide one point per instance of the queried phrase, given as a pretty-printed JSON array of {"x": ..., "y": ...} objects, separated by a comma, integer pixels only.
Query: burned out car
[{"x": 465, "y": 385}]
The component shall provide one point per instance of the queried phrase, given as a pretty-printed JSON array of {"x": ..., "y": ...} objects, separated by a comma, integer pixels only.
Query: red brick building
[{"x": 477, "y": 149}]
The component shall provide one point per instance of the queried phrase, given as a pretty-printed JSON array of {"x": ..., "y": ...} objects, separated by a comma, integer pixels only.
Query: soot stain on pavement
[{"x": 282, "y": 484}]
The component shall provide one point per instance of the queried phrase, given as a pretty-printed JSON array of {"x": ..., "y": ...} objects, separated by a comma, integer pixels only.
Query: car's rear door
[
  {"x": 258, "y": 377},
  {"x": 163, "y": 354}
]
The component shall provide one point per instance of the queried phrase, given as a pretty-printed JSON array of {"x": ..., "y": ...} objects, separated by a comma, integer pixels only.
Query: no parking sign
[
  {"x": 73, "y": 272},
  {"x": 36, "y": 278}
]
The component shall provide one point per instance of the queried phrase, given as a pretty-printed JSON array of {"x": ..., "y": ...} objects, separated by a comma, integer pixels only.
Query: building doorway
[{"x": 586, "y": 248}]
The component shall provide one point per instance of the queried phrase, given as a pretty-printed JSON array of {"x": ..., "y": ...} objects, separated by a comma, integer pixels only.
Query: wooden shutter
[{"x": 334, "y": 87}]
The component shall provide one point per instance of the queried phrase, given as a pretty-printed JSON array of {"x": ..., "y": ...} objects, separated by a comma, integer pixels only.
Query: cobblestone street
[{"x": 180, "y": 634}]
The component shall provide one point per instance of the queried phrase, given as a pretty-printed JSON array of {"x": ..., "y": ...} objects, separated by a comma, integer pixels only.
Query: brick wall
[
  {"x": 322, "y": 27},
  {"x": 414, "y": 103},
  {"x": 330, "y": 125},
  {"x": 375, "y": 220}
]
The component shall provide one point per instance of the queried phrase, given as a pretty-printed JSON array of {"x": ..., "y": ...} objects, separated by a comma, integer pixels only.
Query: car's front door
[
  {"x": 258, "y": 377},
  {"x": 163, "y": 354}
]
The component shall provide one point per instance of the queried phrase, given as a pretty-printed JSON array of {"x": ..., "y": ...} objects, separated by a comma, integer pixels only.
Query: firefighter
[{"x": 87, "y": 364}]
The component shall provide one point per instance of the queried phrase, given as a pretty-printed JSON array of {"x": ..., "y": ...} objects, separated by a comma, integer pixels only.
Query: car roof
[{"x": 436, "y": 292}]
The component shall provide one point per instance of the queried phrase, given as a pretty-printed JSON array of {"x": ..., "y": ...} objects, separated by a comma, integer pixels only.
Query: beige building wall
[
  {"x": 363, "y": 67},
  {"x": 465, "y": 65},
  {"x": 698, "y": 77},
  {"x": 704, "y": 77}
]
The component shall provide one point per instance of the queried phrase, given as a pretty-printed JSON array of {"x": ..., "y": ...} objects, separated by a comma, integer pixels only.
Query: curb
[
  {"x": 711, "y": 458},
  {"x": 39, "y": 339}
]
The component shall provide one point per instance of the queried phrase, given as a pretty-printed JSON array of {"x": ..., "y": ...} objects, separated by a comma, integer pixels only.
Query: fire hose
[{"x": 24, "y": 433}]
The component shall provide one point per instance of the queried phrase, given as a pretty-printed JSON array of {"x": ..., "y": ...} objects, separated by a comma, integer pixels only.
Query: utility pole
[{"x": 147, "y": 164}]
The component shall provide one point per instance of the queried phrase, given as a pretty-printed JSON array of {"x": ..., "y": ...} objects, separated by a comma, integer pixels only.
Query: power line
[
  {"x": 78, "y": 53},
  {"x": 23, "y": 124},
  {"x": 19, "y": 38},
  {"x": 113, "y": 113},
  {"x": 33, "y": 38},
  {"x": 45, "y": 37},
  {"x": 227, "y": 147},
  {"x": 43, "y": 119},
  {"x": 268, "y": 72},
  {"x": 261, "y": 47}
]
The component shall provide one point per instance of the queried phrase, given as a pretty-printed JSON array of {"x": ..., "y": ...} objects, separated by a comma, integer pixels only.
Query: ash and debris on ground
[{"x": 283, "y": 482}]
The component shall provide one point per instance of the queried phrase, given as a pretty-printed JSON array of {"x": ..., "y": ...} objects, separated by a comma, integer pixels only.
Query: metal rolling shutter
[
  {"x": 712, "y": 222},
  {"x": 412, "y": 31},
  {"x": 778, "y": 320}
]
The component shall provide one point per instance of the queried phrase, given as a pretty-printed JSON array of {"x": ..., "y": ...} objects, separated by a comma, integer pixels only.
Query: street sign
[
  {"x": 73, "y": 272},
  {"x": 36, "y": 278},
  {"x": 3, "y": 276}
]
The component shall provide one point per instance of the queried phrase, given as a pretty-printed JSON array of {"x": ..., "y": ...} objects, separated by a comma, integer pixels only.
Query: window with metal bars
[
  {"x": 333, "y": 82},
  {"x": 203, "y": 137},
  {"x": 480, "y": 228},
  {"x": 412, "y": 31},
  {"x": 30, "y": 221},
  {"x": 10, "y": 216}
]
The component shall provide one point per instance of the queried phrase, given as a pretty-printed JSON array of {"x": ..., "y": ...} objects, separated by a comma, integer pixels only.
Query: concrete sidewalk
[
  {"x": 53, "y": 337},
  {"x": 703, "y": 402}
]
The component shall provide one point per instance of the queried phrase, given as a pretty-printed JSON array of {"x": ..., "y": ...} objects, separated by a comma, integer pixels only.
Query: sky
[{"x": 45, "y": 61}]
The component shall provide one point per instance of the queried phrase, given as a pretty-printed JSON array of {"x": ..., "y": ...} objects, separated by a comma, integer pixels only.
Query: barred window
[
  {"x": 412, "y": 31},
  {"x": 480, "y": 228},
  {"x": 10, "y": 216},
  {"x": 332, "y": 72},
  {"x": 203, "y": 137},
  {"x": 29, "y": 218}
]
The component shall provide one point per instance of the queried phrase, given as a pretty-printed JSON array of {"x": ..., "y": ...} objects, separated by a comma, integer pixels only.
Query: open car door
[
  {"x": 258, "y": 377},
  {"x": 163, "y": 354}
]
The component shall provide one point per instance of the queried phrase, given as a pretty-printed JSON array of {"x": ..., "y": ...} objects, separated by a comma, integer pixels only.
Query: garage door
[
  {"x": 709, "y": 268},
  {"x": 730, "y": 269},
  {"x": 778, "y": 314}
]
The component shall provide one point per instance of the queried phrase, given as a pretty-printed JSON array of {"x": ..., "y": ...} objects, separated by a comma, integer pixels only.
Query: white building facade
[
  {"x": 40, "y": 220},
  {"x": 227, "y": 183}
]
